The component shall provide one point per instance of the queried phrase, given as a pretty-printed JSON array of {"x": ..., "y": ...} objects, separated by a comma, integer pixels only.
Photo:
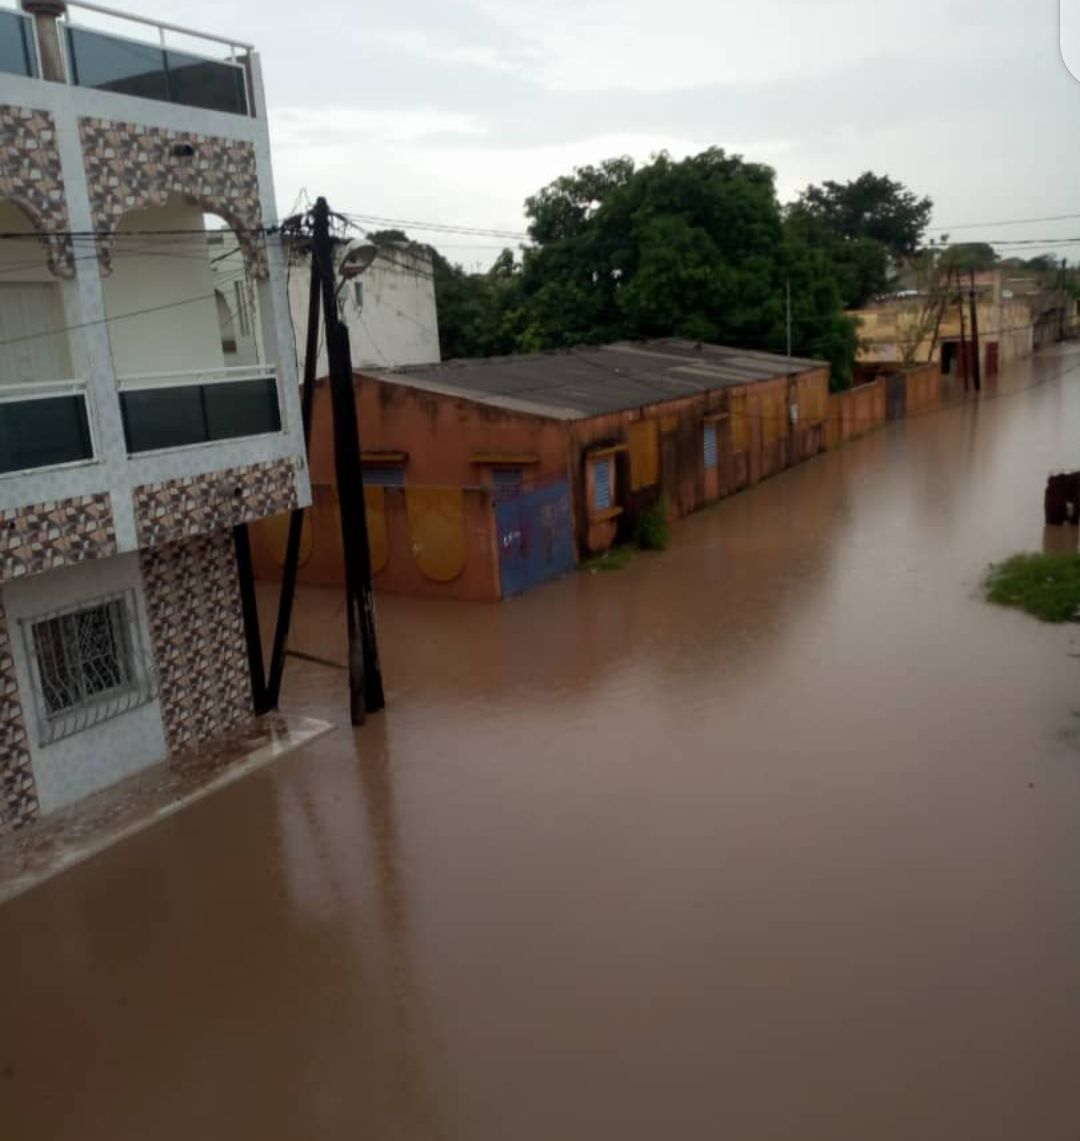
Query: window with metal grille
[
  {"x": 85, "y": 666},
  {"x": 710, "y": 445},
  {"x": 509, "y": 483},
  {"x": 384, "y": 476},
  {"x": 602, "y": 484}
]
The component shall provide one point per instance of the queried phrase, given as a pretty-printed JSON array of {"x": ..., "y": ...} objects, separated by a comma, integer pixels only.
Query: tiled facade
[
  {"x": 45, "y": 536},
  {"x": 18, "y": 795},
  {"x": 31, "y": 176},
  {"x": 131, "y": 167},
  {"x": 197, "y": 632},
  {"x": 184, "y": 508}
]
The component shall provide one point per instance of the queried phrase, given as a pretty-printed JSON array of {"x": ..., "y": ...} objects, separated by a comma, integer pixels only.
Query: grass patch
[
  {"x": 1046, "y": 586},
  {"x": 613, "y": 559},
  {"x": 652, "y": 532}
]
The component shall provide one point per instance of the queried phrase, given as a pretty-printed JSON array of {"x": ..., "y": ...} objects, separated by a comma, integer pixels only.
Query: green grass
[
  {"x": 614, "y": 558},
  {"x": 1046, "y": 586}
]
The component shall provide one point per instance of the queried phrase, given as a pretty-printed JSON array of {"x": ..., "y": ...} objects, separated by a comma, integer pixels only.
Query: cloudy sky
[{"x": 454, "y": 110}]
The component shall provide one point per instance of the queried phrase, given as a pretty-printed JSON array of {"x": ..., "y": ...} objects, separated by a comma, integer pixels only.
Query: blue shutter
[
  {"x": 710, "y": 445},
  {"x": 602, "y": 484}
]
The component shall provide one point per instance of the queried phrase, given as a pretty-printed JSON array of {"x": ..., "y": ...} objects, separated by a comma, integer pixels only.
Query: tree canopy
[
  {"x": 873, "y": 207},
  {"x": 698, "y": 248}
]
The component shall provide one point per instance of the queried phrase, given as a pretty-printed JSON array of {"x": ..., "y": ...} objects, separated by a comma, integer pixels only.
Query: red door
[{"x": 992, "y": 358}]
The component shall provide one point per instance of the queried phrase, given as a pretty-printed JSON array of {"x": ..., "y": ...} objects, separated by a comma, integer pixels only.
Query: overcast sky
[{"x": 455, "y": 110}]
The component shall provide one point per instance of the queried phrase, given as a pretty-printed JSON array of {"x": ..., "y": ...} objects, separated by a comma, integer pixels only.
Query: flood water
[{"x": 773, "y": 835}]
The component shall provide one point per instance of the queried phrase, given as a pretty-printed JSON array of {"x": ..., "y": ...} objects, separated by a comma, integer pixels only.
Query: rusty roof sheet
[{"x": 574, "y": 384}]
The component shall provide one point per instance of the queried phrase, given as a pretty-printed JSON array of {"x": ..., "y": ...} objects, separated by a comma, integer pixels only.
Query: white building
[
  {"x": 130, "y": 447},
  {"x": 389, "y": 308}
]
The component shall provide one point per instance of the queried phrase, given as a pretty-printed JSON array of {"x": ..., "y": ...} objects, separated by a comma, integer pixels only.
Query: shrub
[{"x": 651, "y": 532}]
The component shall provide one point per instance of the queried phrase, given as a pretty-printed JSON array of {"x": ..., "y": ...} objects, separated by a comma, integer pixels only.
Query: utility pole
[
  {"x": 963, "y": 340},
  {"x": 787, "y": 291},
  {"x": 365, "y": 676},
  {"x": 296, "y": 520},
  {"x": 976, "y": 368}
]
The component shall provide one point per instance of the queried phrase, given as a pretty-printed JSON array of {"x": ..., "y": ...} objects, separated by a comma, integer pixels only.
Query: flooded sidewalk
[{"x": 774, "y": 834}]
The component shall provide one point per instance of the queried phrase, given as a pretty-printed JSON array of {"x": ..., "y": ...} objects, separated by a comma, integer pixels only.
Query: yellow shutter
[{"x": 644, "y": 454}]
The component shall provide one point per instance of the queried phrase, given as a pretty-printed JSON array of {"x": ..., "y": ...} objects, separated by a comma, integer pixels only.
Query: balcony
[
  {"x": 44, "y": 425},
  {"x": 139, "y": 57},
  {"x": 207, "y": 406},
  {"x": 18, "y": 48}
]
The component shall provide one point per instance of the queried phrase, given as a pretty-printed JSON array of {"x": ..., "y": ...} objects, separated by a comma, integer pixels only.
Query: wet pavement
[
  {"x": 775, "y": 834},
  {"x": 53, "y": 843}
]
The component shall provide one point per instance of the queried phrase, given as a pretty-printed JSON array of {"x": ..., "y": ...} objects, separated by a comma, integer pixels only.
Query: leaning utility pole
[
  {"x": 365, "y": 676},
  {"x": 296, "y": 520},
  {"x": 976, "y": 369}
]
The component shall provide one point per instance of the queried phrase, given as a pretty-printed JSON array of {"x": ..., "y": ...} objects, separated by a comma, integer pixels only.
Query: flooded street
[{"x": 775, "y": 834}]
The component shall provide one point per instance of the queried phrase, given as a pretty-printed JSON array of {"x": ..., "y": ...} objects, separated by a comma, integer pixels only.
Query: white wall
[
  {"x": 90, "y": 760},
  {"x": 397, "y": 323},
  {"x": 161, "y": 271},
  {"x": 25, "y": 313}
]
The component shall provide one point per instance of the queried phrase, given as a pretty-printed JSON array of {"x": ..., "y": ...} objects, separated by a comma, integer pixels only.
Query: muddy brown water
[{"x": 773, "y": 835}]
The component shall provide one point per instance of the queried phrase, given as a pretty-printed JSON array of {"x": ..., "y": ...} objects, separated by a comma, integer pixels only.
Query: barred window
[
  {"x": 508, "y": 482},
  {"x": 602, "y": 485},
  {"x": 86, "y": 669},
  {"x": 710, "y": 445}
]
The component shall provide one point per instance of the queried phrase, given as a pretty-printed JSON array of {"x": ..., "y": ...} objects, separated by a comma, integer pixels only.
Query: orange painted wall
[
  {"x": 923, "y": 389},
  {"x": 322, "y": 561},
  {"x": 856, "y": 411},
  {"x": 440, "y": 432}
]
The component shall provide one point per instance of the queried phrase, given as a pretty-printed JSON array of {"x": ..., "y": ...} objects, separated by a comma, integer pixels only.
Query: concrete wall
[{"x": 392, "y": 319}]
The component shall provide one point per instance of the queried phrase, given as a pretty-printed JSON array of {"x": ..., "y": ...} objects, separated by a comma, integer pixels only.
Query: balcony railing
[
  {"x": 44, "y": 425},
  {"x": 18, "y": 47},
  {"x": 181, "y": 409},
  {"x": 128, "y": 65}
]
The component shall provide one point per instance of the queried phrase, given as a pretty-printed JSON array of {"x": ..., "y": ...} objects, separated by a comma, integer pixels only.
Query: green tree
[
  {"x": 696, "y": 248},
  {"x": 871, "y": 207}
]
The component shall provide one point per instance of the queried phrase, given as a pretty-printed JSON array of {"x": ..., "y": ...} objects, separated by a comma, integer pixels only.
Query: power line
[
  {"x": 1006, "y": 222},
  {"x": 476, "y": 231}
]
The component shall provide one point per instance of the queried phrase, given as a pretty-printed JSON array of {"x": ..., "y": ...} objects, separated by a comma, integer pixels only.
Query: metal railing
[
  {"x": 203, "y": 406},
  {"x": 44, "y": 424},
  {"x": 126, "y": 64}
]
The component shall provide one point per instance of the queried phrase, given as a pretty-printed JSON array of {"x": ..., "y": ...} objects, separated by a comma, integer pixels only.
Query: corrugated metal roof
[{"x": 574, "y": 384}]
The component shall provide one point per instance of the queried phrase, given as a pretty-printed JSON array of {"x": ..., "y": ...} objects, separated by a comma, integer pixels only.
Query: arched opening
[
  {"x": 44, "y": 419},
  {"x": 183, "y": 320},
  {"x": 34, "y": 345}
]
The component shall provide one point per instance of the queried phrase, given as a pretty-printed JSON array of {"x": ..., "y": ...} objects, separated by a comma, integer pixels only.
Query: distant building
[
  {"x": 389, "y": 309},
  {"x": 131, "y": 441},
  {"x": 484, "y": 477},
  {"x": 1016, "y": 315}
]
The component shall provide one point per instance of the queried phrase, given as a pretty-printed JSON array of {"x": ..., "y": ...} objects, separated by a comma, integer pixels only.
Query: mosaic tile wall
[
  {"x": 196, "y": 505},
  {"x": 130, "y": 167},
  {"x": 44, "y": 536},
  {"x": 31, "y": 176},
  {"x": 18, "y": 795},
  {"x": 197, "y": 632}
]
